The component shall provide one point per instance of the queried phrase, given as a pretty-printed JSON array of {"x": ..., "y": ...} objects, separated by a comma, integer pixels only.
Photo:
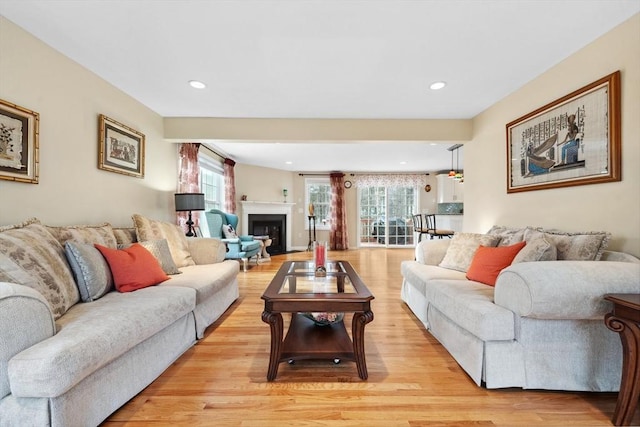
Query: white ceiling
[{"x": 354, "y": 59}]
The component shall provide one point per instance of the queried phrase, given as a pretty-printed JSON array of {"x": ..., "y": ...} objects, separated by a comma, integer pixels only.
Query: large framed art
[
  {"x": 574, "y": 140},
  {"x": 120, "y": 148},
  {"x": 19, "y": 143}
]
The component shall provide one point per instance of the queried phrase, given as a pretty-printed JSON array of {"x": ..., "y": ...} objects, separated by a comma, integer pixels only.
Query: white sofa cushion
[
  {"x": 470, "y": 305},
  {"x": 206, "y": 279},
  {"x": 419, "y": 274},
  {"x": 467, "y": 303},
  {"x": 90, "y": 335}
]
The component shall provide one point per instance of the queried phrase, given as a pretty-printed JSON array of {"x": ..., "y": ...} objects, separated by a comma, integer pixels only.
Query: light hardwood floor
[{"x": 413, "y": 381}]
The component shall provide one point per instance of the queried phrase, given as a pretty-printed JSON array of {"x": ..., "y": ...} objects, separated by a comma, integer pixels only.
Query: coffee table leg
[
  {"x": 360, "y": 319},
  {"x": 275, "y": 321}
]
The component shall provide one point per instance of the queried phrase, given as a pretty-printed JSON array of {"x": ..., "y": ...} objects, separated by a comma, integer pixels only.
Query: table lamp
[{"x": 189, "y": 202}]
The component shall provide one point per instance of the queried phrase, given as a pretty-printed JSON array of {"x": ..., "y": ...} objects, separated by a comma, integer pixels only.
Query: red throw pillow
[
  {"x": 488, "y": 262},
  {"x": 133, "y": 268}
]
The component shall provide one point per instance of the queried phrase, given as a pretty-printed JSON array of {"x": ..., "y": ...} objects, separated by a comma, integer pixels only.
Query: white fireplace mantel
[{"x": 267, "y": 208}]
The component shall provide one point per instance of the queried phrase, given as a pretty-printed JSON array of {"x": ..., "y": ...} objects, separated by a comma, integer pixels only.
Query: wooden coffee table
[{"x": 296, "y": 290}]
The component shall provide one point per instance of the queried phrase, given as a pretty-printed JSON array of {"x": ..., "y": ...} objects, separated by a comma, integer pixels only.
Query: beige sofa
[
  {"x": 542, "y": 325},
  {"x": 73, "y": 349}
]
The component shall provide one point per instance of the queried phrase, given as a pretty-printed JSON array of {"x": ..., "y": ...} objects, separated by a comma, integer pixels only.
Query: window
[
  {"x": 318, "y": 192},
  {"x": 211, "y": 182}
]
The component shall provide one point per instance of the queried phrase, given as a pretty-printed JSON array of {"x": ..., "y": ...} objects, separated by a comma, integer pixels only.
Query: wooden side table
[{"x": 625, "y": 319}]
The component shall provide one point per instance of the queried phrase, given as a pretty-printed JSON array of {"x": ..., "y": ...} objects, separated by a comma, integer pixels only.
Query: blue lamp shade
[{"x": 189, "y": 202}]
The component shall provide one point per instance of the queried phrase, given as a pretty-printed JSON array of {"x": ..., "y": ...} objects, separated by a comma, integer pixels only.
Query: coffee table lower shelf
[{"x": 306, "y": 340}]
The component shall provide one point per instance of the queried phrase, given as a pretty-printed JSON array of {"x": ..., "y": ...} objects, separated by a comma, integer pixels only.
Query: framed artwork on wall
[
  {"x": 19, "y": 143},
  {"x": 120, "y": 148},
  {"x": 574, "y": 140}
]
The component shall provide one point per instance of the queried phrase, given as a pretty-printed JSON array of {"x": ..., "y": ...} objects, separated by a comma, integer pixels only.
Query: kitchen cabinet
[
  {"x": 449, "y": 222},
  {"x": 449, "y": 190}
]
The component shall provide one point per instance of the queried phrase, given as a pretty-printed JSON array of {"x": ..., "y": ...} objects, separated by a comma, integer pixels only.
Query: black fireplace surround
[{"x": 272, "y": 225}]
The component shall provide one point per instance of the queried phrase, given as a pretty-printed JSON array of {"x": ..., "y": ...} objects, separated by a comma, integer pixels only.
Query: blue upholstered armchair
[{"x": 241, "y": 247}]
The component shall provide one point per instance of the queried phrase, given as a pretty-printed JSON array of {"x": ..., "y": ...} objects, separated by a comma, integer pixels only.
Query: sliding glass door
[{"x": 385, "y": 215}]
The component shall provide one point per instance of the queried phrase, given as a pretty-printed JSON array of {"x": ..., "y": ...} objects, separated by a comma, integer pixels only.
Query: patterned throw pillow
[
  {"x": 537, "y": 249},
  {"x": 463, "y": 247},
  {"x": 90, "y": 270},
  {"x": 31, "y": 256},
  {"x": 125, "y": 236},
  {"x": 149, "y": 229},
  {"x": 508, "y": 236},
  {"x": 576, "y": 246},
  {"x": 160, "y": 250},
  {"x": 88, "y": 234}
]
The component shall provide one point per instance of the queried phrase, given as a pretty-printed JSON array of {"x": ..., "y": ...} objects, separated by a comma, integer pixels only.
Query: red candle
[{"x": 320, "y": 251}]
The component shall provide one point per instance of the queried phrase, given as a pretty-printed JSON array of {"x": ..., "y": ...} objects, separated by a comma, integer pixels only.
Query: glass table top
[{"x": 300, "y": 279}]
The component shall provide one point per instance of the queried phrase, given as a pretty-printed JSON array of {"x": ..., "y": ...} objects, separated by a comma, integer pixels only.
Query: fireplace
[
  {"x": 269, "y": 209},
  {"x": 274, "y": 226}
]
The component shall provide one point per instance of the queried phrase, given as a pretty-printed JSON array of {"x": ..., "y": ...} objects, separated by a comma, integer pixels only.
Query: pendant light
[
  {"x": 452, "y": 173},
  {"x": 458, "y": 175}
]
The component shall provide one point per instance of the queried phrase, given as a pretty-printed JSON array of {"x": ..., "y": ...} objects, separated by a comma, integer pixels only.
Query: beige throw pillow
[
  {"x": 463, "y": 247},
  {"x": 31, "y": 256},
  {"x": 576, "y": 246},
  {"x": 160, "y": 250},
  {"x": 508, "y": 236},
  {"x": 538, "y": 249},
  {"x": 149, "y": 229},
  {"x": 101, "y": 234}
]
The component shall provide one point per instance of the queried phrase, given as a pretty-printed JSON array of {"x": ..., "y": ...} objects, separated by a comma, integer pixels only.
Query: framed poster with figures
[{"x": 574, "y": 140}]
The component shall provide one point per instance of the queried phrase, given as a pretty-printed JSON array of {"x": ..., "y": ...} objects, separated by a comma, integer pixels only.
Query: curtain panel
[
  {"x": 188, "y": 177},
  {"x": 338, "y": 239},
  {"x": 229, "y": 186}
]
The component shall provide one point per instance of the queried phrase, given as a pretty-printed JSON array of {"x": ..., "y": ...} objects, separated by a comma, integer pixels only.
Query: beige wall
[
  {"x": 72, "y": 189},
  {"x": 69, "y": 98},
  {"x": 614, "y": 207}
]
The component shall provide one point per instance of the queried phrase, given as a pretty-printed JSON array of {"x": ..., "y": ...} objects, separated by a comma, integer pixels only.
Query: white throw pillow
[{"x": 229, "y": 232}]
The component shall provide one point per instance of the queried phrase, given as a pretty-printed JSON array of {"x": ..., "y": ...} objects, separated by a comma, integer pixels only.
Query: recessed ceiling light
[
  {"x": 437, "y": 85},
  {"x": 403, "y": 162},
  {"x": 289, "y": 162},
  {"x": 197, "y": 84}
]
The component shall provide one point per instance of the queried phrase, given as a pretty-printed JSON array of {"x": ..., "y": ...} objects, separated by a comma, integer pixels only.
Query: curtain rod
[
  {"x": 373, "y": 173},
  {"x": 212, "y": 151}
]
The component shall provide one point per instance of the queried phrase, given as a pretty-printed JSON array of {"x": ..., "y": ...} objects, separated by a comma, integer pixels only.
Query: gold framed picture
[
  {"x": 574, "y": 140},
  {"x": 19, "y": 143},
  {"x": 120, "y": 148}
]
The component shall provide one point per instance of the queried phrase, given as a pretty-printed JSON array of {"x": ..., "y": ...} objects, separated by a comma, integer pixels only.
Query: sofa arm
[
  {"x": 431, "y": 252},
  {"x": 564, "y": 289},
  {"x": 25, "y": 319},
  {"x": 205, "y": 250}
]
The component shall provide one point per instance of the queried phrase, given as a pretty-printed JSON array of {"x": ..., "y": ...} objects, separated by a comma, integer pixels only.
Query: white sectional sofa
[
  {"x": 542, "y": 325},
  {"x": 73, "y": 349}
]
